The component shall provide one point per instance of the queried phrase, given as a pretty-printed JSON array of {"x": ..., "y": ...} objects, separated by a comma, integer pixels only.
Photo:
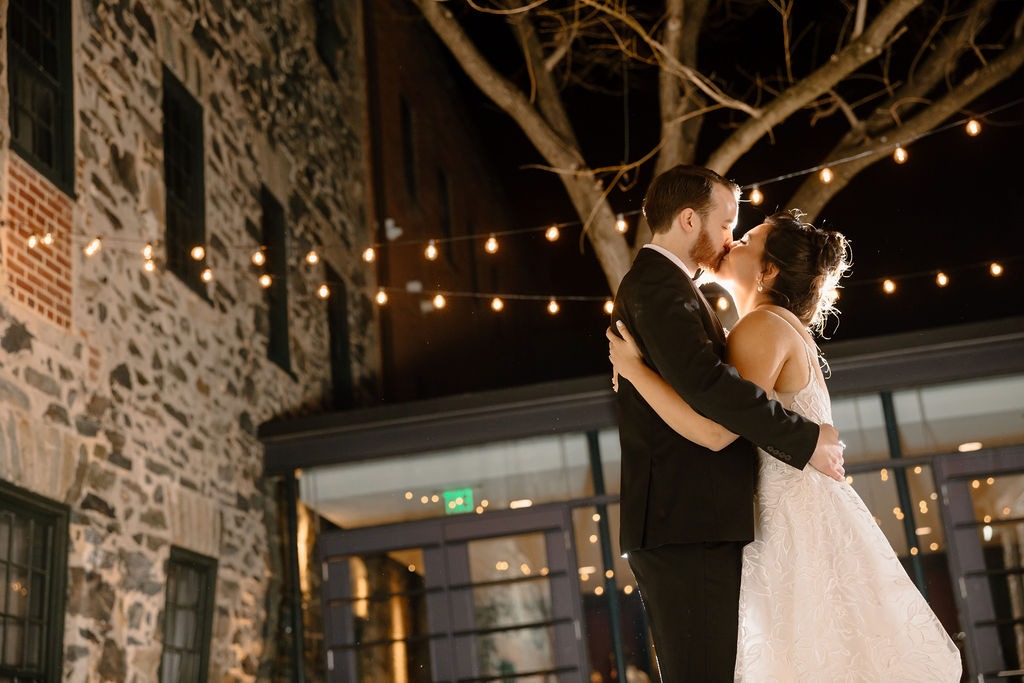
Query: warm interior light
[
  {"x": 889, "y": 286},
  {"x": 973, "y": 128},
  {"x": 497, "y": 304},
  {"x": 620, "y": 223},
  {"x": 942, "y": 279},
  {"x": 723, "y": 303},
  {"x": 521, "y": 503},
  {"x": 265, "y": 281},
  {"x": 826, "y": 175},
  {"x": 149, "y": 265},
  {"x": 996, "y": 269},
  {"x": 553, "y": 307},
  {"x": 369, "y": 255},
  {"x": 312, "y": 258},
  {"x": 756, "y": 197},
  {"x": 609, "y": 306},
  {"x": 900, "y": 155},
  {"x": 198, "y": 252},
  {"x": 969, "y": 446},
  {"x": 259, "y": 257},
  {"x": 147, "y": 251},
  {"x": 431, "y": 251},
  {"x": 491, "y": 245},
  {"x": 440, "y": 301},
  {"x": 93, "y": 246},
  {"x": 382, "y": 297},
  {"x": 552, "y": 234},
  {"x": 207, "y": 275}
]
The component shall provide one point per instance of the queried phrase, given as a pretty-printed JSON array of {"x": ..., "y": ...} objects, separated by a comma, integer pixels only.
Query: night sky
[{"x": 956, "y": 205}]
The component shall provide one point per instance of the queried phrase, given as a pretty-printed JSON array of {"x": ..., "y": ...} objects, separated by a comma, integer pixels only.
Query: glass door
[
  {"x": 983, "y": 516},
  {"x": 463, "y": 598}
]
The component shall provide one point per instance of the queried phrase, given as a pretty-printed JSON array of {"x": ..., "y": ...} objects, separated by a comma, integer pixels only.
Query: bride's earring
[{"x": 760, "y": 285}]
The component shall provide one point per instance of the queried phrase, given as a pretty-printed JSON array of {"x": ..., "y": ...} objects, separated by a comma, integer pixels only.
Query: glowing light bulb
[
  {"x": 826, "y": 175},
  {"x": 723, "y": 304},
  {"x": 609, "y": 306},
  {"x": 439, "y": 301},
  {"x": 973, "y": 128},
  {"x": 598, "y": 590},
  {"x": 93, "y": 246},
  {"x": 198, "y": 252},
  {"x": 756, "y": 196},
  {"x": 995, "y": 269},
  {"x": 491, "y": 245},
  {"x": 889, "y": 286},
  {"x": 382, "y": 297},
  {"x": 497, "y": 304},
  {"x": 900, "y": 155},
  {"x": 620, "y": 224},
  {"x": 369, "y": 255},
  {"x": 265, "y": 281},
  {"x": 149, "y": 265},
  {"x": 323, "y": 291},
  {"x": 552, "y": 234},
  {"x": 258, "y": 257},
  {"x": 147, "y": 252},
  {"x": 47, "y": 239},
  {"x": 942, "y": 279},
  {"x": 32, "y": 241},
  {"x": 431, "y": 251},
  {"x": 207, "y": 275},
  {"x": 553, "y": 307},
  {"x": 312, "y": 258}
]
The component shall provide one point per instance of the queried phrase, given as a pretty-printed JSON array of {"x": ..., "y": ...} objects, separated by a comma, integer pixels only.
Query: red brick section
[{"x": 38, "y": 277}]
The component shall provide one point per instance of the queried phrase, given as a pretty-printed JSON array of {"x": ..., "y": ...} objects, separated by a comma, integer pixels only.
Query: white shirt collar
[{"x": 671, "y": 257}]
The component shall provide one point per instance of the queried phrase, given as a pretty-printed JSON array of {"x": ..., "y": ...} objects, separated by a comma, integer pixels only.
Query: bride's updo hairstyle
[{"x": 810, "y": 262}]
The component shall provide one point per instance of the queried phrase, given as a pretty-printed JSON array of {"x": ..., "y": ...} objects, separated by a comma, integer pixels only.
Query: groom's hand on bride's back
[{"x": 828, "y": 453}]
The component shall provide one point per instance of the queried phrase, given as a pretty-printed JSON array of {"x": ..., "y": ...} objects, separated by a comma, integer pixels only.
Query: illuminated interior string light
[
  {"x": 382, "y": 297},
  {"x": 440, "y": 302},
  {"x": 369, "y": 255},
  {"x": 94, "y": 246},
  {"x": 32, "y": 241},
  {"x": 553, "y": 307},
  {"x": 723, "y": 303},
  {"x": 198, "y": 252},
  {"x": 826, "y": 175},
  {"x": 552, "y": 234},
  {"x": 900, "y": 155},
  {"x": 259, "y": 257},
  {"x": 265, "y": 281},
  {"x": 491, "y": 245},
  {"x": 47, "y": 239},
  {"x": 973, "y": 128},
  {"x": 207, "y": 275},
  {"x": 756, "y": 196},
  {"x": 147, "y": 252},
  {"x": 995, "y": 269},
  {"x": 497, "y": 304},
  {"x": 889, "y": 286},
  {"x": 431, "y": 251},
  {"x": 620, "y": 224},
  {"x": 609, "y": 306},
  {"x": 323, "y": 291},
  {"x": 312, "y": 258},
  {"x": 149, "y": 265},
  {"x": 942, "y": 279}
]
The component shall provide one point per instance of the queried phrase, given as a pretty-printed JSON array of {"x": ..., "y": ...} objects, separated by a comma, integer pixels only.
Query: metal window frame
[{"x": 207, "y": 568}]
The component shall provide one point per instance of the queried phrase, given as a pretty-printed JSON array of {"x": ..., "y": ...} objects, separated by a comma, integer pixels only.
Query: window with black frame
[
  {"x": 188, "y": 616},
  {"x": 39, "y": 77},
  {"x": 275, "y": 241},
  {"x": 33, "y": 567},
  {"x": 183, "y": 176}
]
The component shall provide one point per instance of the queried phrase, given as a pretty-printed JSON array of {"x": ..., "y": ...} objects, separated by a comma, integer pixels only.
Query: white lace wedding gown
[{"x": 823, "y": 595}]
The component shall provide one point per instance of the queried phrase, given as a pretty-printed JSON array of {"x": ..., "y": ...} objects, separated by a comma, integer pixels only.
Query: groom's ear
[{"x": 685, "y": 219}]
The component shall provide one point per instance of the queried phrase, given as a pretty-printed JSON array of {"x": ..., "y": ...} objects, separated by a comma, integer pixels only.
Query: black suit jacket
[{"x": 673, "y": 490}]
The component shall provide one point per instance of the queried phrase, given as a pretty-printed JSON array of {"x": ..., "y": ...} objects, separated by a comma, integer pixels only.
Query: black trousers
[{"x": 691, "y": 595}]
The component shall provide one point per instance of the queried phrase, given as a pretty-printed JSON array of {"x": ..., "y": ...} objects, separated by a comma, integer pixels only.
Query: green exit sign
[{"x": 457, "y": 501}]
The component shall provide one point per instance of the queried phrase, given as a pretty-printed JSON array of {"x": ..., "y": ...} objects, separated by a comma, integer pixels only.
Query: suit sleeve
[{"x": 667, "y": 319}]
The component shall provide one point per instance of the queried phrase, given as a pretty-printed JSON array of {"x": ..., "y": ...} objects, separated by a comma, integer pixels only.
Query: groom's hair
[{"x": 682, "y": 187}]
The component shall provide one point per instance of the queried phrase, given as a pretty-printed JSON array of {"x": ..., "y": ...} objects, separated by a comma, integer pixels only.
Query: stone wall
[{"x": 138, "y": 410}]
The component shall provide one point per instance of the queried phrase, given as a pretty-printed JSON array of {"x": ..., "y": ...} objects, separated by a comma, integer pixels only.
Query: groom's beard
[{"x": 704, "y": 254}]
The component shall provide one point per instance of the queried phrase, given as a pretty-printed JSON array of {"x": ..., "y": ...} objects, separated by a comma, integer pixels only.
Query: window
[
  {"x": 33, "y": 566},
  {"x": 183, "y": 176},
  {"x": 276, "y": 242},
  {"x": 328, "y": 36},
  {"x": 337, "y": 325},
  {"x": 408, "y": 148},
  {"x": 191, "y": 580},
  {"x": 444, "y": 196},
  {"x": 41, "y": 109}
]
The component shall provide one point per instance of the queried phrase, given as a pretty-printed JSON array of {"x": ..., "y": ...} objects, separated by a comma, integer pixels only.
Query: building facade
[{"x": 184, "y": 198}]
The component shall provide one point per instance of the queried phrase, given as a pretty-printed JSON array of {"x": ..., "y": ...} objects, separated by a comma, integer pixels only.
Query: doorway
[{"x": 460, "y": 599}]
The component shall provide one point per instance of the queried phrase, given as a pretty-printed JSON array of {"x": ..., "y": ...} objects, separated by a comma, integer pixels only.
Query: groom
[{"x": 687, "y": 512}]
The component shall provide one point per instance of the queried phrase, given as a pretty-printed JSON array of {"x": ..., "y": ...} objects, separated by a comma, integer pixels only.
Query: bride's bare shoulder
[{"x": 762, "y": 332}]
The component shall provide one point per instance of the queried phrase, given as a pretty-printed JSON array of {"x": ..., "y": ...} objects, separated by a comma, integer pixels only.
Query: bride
[{"x": 823, "y": 596}]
